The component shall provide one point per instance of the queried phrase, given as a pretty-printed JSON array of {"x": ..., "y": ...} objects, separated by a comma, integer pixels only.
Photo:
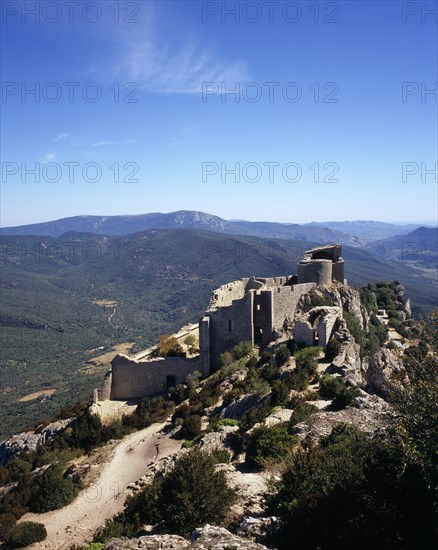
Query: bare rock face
[
  {"x": 350, "y": 301},
  {"x": 29, "y": 441},
  {"x": 370, "y": 414},
  {"x": 258, "y": 528},
  {"x": 208, "y": 537},
  {"x": 250, "y": 488},
  {"x": 385, "y": 373},
  {"x": 218, "y": 538},
  {"x": 218, "y": 440},
  {"x": 348, "y": 362},
  {"x": 236, "y": 409},
  {"x": 152, "y": 542}
]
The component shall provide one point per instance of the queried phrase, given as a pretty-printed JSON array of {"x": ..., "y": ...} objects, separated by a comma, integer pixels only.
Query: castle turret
[{"x": 322, "y": 265}]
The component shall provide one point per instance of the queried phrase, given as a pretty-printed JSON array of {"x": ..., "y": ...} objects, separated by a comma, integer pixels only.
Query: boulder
[
  {"x": 385, "y": 373},
  {"x": 29, "y": 441},
  {"x": 211, "y": 537}
]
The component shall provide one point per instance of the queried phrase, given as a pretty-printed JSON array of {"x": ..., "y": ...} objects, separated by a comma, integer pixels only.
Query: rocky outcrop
[
  {"x": 219, "y": 440},
  {"x": 218, "y": 538},
  {"x": 152, "y": 542},
  {"x": 236, "y": 409},
  {"x": 348, "y": 362},
  {"x": 350, "y": 302},
  {"x": 250, "y": 487},
  {"x": 258, "y": 528},
  {"x": 208, "y": 537},
  {"x": 29, "y": 441},
  {"x": 385, "y": 373},
  {"x": 370, "y": 414}
]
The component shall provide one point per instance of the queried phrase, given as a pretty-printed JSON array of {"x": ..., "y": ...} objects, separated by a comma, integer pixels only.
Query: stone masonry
[{"x": 255, "y": 309}]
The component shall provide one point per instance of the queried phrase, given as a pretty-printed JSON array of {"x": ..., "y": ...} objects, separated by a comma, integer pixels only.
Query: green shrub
[
  {"x": 298, "y": 379},
  {"x": 306, "y": 359},
  {"x": 189, "y": 496},
  {"x": 255, "y": 384},
  {"x": 301, "y": 413},
  {"x": 220, "y": 456},
  {"x": 95, "y": 546},
  {"x": 269, "y": 444},
  {"x": 54, "y": 492},
  {"x": 270, "y": 372},
  {"x": 225, "y": 422},
  {"x": 282, "y": 355},
  {"x": 332, "y": 349},
  {"x": 279, "y": 393},
  {"x": 192, "y": 427},
  {"x": 26, "y": 533},
  {"x": 334, "y": 388},
  {"x": 226, "y": 358},
  {"x": 242, "y": 349},
  {"x": 341, "y": 493}
]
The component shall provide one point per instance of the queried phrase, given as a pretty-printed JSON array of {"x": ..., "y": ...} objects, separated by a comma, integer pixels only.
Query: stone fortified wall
[
  {"x": 133, "y": 379},
  {"x": 251, "y": 309}
]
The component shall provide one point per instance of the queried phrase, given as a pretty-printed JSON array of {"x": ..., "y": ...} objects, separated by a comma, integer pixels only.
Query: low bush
[
  {"x": 191, "y": 427},
  {"x": 334, "y": 388},
  {"x": 54, "y": 492},
  {"x": 282, "y": 355},
  {"x": 279, "y": 393},
  {"x": 26, "y": 533},
  {"x": 301, "y": 413},
  {"x": 269, "y": 444},
  {"x": 332, "y": 349},
  {"x": 220, "y": 456}
]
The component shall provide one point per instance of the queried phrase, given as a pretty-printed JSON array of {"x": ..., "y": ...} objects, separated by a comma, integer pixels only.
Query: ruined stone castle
[{"x": 259, "y": 310}]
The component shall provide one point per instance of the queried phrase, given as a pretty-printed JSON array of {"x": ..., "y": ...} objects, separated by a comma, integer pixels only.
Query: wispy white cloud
[
  {"x": 61, "y": 136},
  {"x": 160, "y": 59},
  {"x": 48, "y": 157}
]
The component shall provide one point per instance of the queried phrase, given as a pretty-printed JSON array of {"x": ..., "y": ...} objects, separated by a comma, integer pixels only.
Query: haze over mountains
[{"x": 352, "y": 233}]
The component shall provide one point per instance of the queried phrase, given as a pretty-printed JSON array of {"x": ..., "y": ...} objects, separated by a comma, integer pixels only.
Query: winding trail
[{"x": 76, "y": 523}]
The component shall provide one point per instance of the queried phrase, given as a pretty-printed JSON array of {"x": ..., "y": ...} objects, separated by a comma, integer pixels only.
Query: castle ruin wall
[{"x": 133, "y": 379}]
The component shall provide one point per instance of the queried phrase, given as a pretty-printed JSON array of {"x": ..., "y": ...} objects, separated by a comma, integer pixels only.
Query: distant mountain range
[
  {"x": 351, "y": 233},
  {"x": 368, "y": 230},
  {"x": 419, "y": 246}
]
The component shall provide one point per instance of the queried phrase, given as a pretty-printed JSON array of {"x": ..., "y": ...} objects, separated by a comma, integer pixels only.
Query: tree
[
  {"x": 168, "y": 346},
  {"x": 333, "y": 493}
]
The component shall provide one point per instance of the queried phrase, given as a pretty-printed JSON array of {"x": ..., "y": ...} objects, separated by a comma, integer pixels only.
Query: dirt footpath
[{"x": 76, "y": 523}]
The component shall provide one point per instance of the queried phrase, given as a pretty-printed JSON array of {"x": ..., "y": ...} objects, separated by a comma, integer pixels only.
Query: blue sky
[{"x": 130, "y": 115}]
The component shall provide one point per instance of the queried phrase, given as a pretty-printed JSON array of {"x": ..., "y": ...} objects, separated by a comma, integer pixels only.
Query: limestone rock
[
  {"x": 218, "y": 440},
  {"x": 236, "y": 409},
  {"x": 151, "y": 542},
  {"x": 250, "y": 487},
  {"x": 211, "y": 537},
  {"x": 348, "y": 362},
  {"x": 370, "y": 415},
  {"x": 29, "y": 441},
  {"x": 385, "y": 373},
  {"x": 257, "y": 528},
  {"x": 208, "y": 537}
]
